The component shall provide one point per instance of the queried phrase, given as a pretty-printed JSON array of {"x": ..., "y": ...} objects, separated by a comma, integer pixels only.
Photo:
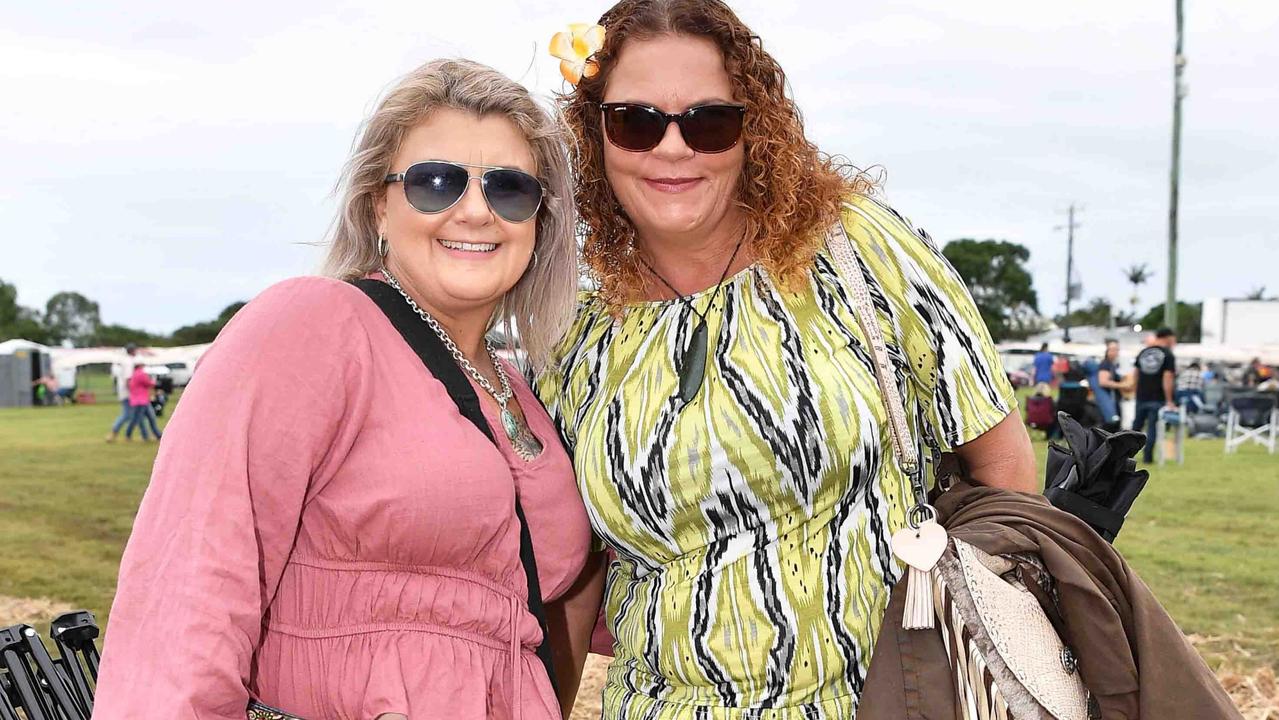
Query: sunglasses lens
[
  {"x": 712, "y": 128},
  {"x": 634, "y": 127},
  {"x": 515, "y": 196},
  {"x": 432, "y": 187}
]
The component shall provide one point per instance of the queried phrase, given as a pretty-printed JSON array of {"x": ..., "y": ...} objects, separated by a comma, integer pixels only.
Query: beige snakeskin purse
[
  {"x": 258, "y": 711},
  {"x": 1005, "y": 653}
]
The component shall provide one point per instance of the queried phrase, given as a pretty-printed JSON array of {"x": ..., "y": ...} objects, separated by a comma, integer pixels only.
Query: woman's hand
[{"x": 1002, "y": 457}]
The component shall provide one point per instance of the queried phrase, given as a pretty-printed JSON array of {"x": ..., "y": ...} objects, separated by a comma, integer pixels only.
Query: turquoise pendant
[
  {"x": 692, "y": 367},
  {"x": 510, "y": 424}
]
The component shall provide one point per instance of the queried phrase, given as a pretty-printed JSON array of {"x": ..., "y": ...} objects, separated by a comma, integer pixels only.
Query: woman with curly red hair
[{"x": 717, "y": 392}]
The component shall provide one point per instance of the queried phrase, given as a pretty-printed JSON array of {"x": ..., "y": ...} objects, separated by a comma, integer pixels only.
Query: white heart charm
[{"x": 920, "y": 547}]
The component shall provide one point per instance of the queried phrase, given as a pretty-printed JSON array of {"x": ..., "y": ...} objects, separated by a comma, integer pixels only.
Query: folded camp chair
[
  {"x": 1072, "y": 399},
  {"x": 1252, "y": 417},
  {"x": 42, "y": 687},
  {"x": 1041, "y": 413},
  {"x": 1206, "y": 424}
]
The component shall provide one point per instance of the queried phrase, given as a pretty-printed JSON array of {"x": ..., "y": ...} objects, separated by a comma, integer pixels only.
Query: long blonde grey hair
[{"x": 540, "y": 305}]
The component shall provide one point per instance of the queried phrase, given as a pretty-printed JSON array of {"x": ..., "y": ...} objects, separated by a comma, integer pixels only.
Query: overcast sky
[{"x": 166, "y": 159}]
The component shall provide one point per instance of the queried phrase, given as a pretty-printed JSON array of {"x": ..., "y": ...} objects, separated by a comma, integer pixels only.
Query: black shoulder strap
[{"x": 441, "y": 364}]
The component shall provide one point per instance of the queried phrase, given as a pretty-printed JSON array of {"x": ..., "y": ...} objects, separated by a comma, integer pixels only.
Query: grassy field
[{"x": 1203, "y": 535}]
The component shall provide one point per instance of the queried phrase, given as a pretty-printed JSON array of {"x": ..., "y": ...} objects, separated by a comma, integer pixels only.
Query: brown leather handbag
[{"x": 1006, "y": 655}]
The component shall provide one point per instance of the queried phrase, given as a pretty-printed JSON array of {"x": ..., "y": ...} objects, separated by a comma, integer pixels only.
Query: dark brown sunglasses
[{"x": 705, "y": 128}]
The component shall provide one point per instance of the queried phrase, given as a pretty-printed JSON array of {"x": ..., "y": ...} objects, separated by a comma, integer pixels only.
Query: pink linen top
[
  {"x": 140, "y": 384},
  {"x": 326, "y": 532}
]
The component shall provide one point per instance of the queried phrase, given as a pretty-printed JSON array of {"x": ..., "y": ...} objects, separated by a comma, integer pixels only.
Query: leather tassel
[
  {"x": 920, "y": 548},
  {"x": 920, "y": 613}
]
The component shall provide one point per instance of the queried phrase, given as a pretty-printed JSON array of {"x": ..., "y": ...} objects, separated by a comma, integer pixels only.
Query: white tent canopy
[
  {"x": 79, "y": 357},
  {"x": 64, "y": 359},
  {"x": 9, "y": 347}
]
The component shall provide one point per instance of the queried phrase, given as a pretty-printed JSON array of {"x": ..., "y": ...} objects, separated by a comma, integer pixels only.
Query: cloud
[{"x": 167, "y": 163}]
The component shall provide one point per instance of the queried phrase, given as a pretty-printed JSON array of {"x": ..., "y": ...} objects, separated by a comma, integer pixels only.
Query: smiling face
[
  {"x": 671, "y": 190},
  {"x": 461, "y": 261}
]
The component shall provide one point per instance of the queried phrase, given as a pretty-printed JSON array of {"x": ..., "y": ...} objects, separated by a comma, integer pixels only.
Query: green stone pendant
[
  {"x": 510, "y": 424},
  {"x": 692, "y": 367}
]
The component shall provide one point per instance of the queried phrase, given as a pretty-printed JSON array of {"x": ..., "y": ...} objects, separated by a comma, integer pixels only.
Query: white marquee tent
[
  {"x": 79, "y": 357},
  {"x": 69, "y": 359},
  {"x": 9, "y": 347}
]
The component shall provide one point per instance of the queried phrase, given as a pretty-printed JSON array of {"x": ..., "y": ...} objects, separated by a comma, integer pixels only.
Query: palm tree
[{"x": 1137, "y": 275}]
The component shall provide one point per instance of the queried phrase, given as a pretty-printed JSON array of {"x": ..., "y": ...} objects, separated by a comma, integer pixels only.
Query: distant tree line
[
  {"x": 72, "y": 316},
  {"x": 1099, "y": 312},
  {"x": 1004, "y": 292},
  {"x": 994, "y": 270}
]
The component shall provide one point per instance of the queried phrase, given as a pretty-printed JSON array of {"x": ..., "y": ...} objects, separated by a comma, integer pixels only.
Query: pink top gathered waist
[
  {"x": 324, "y": 532},
  {"x": 362, "y": 601}
]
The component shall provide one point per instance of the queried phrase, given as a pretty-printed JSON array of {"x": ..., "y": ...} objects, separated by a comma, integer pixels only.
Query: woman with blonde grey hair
[{"x": 358, "y": 509}]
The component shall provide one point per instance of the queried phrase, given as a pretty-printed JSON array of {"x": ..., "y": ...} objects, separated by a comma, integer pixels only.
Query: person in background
[
  {"x": 44, "y": 390},
  {"x": 1257, "y": 373},
  {"x": 1111, "y": 382},
  {"x": 1156, "y": 366},
  {"x": 1212, "y": 373},
  {"x": 1043, "y": 366},
  {"x": 163, "y": 391},
  {"x": 66, "y": 381},
  {"x": 140, "y": 410},
  {"x": 120, "y": 372},
  {"x": 1073, "y": 394},
  {"x": 1190, "y": 388},
  {"x": 1061, "y": 365}
]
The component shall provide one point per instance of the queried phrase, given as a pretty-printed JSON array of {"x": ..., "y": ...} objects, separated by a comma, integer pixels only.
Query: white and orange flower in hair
[{"x": 575, "y": 48}]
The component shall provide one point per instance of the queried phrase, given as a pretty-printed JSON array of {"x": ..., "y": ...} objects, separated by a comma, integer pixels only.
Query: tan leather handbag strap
[{"x": 905, "y": 450}]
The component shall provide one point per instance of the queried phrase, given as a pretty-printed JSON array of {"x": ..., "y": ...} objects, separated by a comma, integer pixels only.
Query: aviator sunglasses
[
  {"x": 433, "y": 186},
  {"x": 705, "y": 128}
]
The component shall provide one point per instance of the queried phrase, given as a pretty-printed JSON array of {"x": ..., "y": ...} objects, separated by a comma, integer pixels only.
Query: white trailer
[{"x": 1240, "y": 322}]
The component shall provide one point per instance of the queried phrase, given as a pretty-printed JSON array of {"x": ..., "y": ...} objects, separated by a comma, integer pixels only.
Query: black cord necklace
[{"x": 692, "y": 366}]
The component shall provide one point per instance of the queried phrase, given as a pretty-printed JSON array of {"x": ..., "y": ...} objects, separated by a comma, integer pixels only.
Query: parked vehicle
[
  {"x": 157, "y": 372},
  {"x": 180, "y": 372},
  {"x": 1019, "y": 378}
]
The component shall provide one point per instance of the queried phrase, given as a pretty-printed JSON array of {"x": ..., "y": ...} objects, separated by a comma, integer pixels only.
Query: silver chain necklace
[{"x": 509, "y": 424}]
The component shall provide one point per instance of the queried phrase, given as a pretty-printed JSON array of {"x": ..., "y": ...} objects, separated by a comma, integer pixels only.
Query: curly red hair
[{"x": 789, "y": 191}]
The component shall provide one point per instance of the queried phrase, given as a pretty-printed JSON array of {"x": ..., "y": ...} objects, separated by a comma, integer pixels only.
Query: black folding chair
[
  {"x": 40, "y": 686},
  {"x": 1253, "y": 417}
]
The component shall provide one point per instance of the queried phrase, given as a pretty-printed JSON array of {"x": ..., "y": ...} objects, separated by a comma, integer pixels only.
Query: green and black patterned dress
[{"x": 752, "y": 526}]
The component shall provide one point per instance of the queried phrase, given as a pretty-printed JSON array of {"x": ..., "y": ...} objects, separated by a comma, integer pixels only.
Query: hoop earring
[
  {"x": 533, "y": 265},
  {"x": 382, "y": 246}
]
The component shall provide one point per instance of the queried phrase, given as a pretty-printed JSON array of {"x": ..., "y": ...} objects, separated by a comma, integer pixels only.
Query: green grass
[
  {"x": 96, "y": 379},
  {"x": 67, "y": 501},
  {"x": 1203, "y": 535}
]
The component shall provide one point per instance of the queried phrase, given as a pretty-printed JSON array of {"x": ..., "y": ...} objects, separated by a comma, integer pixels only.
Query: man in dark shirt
[{"x": 1156, "y": 368}]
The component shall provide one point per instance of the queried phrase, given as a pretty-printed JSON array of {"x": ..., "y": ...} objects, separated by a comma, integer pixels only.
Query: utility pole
[
  {"x": 1178, "y": 92},
  {"x": 1071, "y": 287}
]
